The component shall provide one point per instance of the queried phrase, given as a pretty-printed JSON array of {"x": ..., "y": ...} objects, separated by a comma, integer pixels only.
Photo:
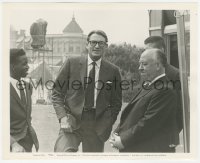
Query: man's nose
[
  {"x": 97, "y": 45},
  {"x": 141, "y": 67}
]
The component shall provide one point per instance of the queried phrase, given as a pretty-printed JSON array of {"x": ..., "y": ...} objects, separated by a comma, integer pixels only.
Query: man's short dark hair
[
  {"x": 15, "y": 53},
  {"x": 161, "y": 57},
  {"x": 99, "y": 32},
  {"x": 159, "y": 41}
]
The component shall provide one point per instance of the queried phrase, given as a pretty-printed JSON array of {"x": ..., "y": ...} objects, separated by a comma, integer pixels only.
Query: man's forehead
[
  {"x": 148, "y": 55},
  {"x": 97, "y": 37}
]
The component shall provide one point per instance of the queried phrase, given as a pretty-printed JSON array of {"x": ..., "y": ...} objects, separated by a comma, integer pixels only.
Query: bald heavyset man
[{"x": 148, "y": 122}]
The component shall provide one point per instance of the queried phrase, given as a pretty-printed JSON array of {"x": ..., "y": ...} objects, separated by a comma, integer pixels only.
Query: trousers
[
  {"x": 27, "y": 142},
  {"x": 69, "y": 142}
]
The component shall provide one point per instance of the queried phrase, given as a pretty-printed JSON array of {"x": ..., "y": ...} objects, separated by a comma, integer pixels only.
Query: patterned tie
[
  {"x": 22, "y": 93},
  {"x": 89, "y": 92}
]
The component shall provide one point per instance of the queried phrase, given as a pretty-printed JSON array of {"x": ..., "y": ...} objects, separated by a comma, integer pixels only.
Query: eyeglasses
[{"x": 100, "y": 43}]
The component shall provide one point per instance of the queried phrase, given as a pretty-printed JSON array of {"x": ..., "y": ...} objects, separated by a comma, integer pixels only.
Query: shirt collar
[
  {"x": 15, "y": 81},
  {"x": 98, "y": 62},
  {"x": 158, "y": 77},
  {"x": 12, "y": 80}
]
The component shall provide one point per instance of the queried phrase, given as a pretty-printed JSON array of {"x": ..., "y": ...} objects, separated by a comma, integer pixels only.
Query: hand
[
  {"x": 112, "y": 136},
  {"x": 112, "y": 139},
  {"x": 65, "y": 125},
  {"x": 17, "y": 148},
  {"x": 116, "y": 142}
]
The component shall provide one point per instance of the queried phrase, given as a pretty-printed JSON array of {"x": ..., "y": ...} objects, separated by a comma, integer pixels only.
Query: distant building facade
[
  {"x": 58, "y": 46},
  {"x": 45, "y": 63}
]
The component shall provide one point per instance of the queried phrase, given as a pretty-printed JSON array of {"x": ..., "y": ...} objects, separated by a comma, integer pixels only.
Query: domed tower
[
  {"x": 71, "y": 41},
  {"x": 73, "y": 28},
  {"x": 75, "y": 40}
]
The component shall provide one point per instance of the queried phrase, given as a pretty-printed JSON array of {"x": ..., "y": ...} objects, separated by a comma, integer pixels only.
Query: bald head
[
  {"x": 156, "y": 55},
  {"x": 152, "y": 63}
]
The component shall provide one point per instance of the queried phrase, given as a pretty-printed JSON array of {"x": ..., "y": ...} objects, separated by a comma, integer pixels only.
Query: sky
[{"x": 121, "y": 23}]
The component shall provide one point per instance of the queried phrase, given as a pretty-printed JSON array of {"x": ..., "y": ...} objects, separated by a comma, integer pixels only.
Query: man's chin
[
  {"x": 96, "y": 53},
  {"x": 24, "y": 75},
  {"x": 96, "y": 56}
]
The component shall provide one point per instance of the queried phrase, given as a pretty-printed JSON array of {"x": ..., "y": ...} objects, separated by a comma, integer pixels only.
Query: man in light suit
[
  {"x": 148, "y": 122},
  {"x": 22, "y": 134},
  {"x": 87, "y": 98}
]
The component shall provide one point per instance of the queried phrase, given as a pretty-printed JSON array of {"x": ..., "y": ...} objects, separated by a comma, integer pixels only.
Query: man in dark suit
[
  {"x": 87, "y": 98},
  {"x": 148, "y": 122},
  {"x": 171, "y": 72},
  {"x": 22, "y": 134}
]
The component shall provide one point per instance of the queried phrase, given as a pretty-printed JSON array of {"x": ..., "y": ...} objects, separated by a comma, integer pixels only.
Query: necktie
[
  {"x": 22, "y": 93},
  {"x": 89, "y": 92}
]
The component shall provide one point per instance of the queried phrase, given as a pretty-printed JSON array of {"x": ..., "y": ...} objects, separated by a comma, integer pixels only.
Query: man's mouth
[
  {"x": 26, "y": 71},
  {"x": 96, "y": 50}
]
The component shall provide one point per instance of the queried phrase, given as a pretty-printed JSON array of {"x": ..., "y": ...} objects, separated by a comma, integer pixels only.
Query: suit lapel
[
  {"x": 15, "y": 95},
  {"x": 102, "y": 77},
  {"x": 144, "y": 91},
  {"x": 83, "y": 69},
  {"x": 141, "y": 94}
]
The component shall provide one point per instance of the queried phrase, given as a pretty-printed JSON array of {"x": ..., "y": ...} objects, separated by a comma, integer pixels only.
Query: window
[
  {"x": 78, "y": 49},
  {"x": 172, "y": 50},
  {"x": 71, "y": 49}
]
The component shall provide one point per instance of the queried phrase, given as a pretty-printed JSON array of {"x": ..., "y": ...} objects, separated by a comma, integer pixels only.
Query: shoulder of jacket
[
  {"x": 113, "y": 66},
  {"x": 75, "y": 59}
]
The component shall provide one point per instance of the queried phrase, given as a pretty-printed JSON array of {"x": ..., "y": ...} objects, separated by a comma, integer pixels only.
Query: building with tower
[
  {"x": 45, "y": 63},
  {"x": 71, "y": 41}
]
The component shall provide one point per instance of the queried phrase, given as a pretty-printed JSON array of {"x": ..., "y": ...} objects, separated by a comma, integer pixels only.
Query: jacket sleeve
[
  {"x": 60, "y": 90},
  {"x": 161, "y": 106},
  {"x": 116, "y": 97}
]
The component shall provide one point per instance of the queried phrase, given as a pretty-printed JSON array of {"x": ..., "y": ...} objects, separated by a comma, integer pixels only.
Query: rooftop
[{"x": 73, "y": 27}]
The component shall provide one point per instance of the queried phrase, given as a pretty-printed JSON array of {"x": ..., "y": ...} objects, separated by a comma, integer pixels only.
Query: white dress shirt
[
  {"x": 158, "y": 77},
  {"x": 97, "y": 68},
  {"x": 14, "y": 83}
]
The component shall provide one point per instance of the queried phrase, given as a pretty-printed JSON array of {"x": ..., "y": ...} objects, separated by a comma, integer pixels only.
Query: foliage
[{"x": 126, "y": 57}]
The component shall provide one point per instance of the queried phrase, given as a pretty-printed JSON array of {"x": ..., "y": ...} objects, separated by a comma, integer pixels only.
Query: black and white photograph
[{"x": 99, "y": 80}]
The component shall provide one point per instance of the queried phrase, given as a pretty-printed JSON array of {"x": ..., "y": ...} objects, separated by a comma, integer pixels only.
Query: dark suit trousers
[
  {"x": 27, "y": 142},
  {"x": 69, "y": 142}
]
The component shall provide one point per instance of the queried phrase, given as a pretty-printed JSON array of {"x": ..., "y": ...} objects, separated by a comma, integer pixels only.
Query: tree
[{"x": 126, "y": 57}]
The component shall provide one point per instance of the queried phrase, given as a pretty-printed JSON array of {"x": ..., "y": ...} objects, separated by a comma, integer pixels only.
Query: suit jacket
[
  {"x": 172, "y": 74},
  {"x": 148, "y": 122},
  {"x": 68, "y": 100},
  {"x": 20, "y": 116}
]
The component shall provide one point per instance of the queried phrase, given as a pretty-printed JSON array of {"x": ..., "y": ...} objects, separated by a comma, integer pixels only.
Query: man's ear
[
  {"x": 163, "y": 50},
  {"x": 11, "y": 69},
  {"x": 158, "y": 66},
  {"x": 106, "y": 46}
]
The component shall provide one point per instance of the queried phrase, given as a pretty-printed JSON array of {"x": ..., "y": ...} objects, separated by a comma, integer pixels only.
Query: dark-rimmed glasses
[{"x": 100, "y": 43}]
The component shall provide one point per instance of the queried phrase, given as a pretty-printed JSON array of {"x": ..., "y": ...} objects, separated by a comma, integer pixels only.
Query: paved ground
[{"x": 46, "y": 125}]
